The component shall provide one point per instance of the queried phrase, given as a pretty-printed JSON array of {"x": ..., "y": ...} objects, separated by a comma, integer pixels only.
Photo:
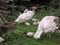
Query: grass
[{"x": 18, "y": 36}]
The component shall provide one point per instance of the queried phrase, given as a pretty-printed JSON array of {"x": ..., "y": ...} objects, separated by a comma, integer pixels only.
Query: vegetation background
[{"x": 18, "y": 36}]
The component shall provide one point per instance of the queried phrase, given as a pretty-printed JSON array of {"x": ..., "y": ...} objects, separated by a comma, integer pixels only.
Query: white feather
[
  {"x": 1, "y": 39},
  {"x": 26, "y": 10},
  {"x": 30, "y": 34},
  {"x": 34, "y": 20},
  {"x": 26, "y": 23},
  {"x": 34, "y": 23}
]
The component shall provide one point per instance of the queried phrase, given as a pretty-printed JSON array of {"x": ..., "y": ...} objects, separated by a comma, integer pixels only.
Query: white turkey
[
  {"x": 24, "y": 17},
  {"x": 47, "y": 24}
]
